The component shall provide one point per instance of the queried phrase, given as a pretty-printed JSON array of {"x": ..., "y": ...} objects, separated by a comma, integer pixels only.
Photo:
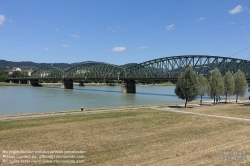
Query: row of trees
[
  {"x": 4, "y": 75},
  {"x": 190, "y": 85}
]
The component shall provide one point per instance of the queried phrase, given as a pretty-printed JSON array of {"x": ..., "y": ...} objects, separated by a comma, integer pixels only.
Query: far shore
[{"x": 86, "y": 84}]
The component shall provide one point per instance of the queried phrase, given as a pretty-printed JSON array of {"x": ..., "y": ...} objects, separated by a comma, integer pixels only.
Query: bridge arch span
[
  {"x": 173, "y": 67},
  {"x": 47, "y": 73},
  {"x": 94, "y": 70}
]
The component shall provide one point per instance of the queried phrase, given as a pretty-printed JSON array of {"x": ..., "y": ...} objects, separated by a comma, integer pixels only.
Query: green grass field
[{"x": 134, "y": 137}]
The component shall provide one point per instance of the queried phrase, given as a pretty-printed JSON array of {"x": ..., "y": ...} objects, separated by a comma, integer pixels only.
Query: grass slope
[{"x": 139, "y": 137}]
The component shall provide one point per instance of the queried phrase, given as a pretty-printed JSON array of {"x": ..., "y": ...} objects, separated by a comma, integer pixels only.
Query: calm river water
[{"x": 22, "y": 99}]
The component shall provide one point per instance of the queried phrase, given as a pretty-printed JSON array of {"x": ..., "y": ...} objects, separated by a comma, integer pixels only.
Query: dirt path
[
  {"x": 10, "y": 117},
  {"x": 200, "y": 114}
]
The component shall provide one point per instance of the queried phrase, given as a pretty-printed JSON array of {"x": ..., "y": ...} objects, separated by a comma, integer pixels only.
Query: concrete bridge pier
[
  {"x": 22, "y": 82},
  {"x": 81, "y": 83},
  {"x": 67, "y": 84},
  {"x": 128, "y": 86},
  {"x": 14, "y": 81},
  {"x": 33, "y": 83}
]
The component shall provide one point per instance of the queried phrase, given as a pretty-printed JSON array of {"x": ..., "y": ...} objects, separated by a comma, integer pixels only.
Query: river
[{"x": 26, "y": 99}]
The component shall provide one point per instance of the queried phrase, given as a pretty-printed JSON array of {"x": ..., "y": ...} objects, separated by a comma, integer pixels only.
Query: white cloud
[
  {"x": 201, "y": 19},
  {"x": 170, "y": 27},
  {"x": 75, "y": 36},
  {"x": 141, "y": 48},
  {"x": 144, "y": 47},
  {"x": 10, "y": 21},
  {"x": 118, "y": 49},
  {"x": 65, "y": 45},
  {"x": 230, "y": 22},
  {"x": 46, "y": 49},
  {"x": 236, "y": 10},
  {"x": 113, "y": 29},
  {"x": 2, "y": 19}
]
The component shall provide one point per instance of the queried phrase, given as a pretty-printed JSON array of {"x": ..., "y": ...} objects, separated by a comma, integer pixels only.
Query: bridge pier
[
  {"x": 111, "y": 84},
  {"x": 33, "y": 83},
  {"x": 67, "y": 84},
  {"x": 22, "y": 82},
  {"x": 14, "y": 81},
  {"x": 81, "y": 83},
  {"x": 128, "y": 86}
]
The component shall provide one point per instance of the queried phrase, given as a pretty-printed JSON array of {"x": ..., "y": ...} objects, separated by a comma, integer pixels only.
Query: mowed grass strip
[{"x": 139, "y": 137}]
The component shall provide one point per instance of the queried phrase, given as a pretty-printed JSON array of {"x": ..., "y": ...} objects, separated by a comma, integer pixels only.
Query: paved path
[
  {"x": 10, "y": 117},
  {"x": 193, "y": 113}
]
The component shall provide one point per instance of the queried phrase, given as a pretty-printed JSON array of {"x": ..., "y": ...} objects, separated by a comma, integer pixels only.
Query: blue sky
[{"x": 122, "y": 31}]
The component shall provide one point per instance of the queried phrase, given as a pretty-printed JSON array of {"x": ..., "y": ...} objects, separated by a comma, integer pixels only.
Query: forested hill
[{"x": 26, "y": 65}]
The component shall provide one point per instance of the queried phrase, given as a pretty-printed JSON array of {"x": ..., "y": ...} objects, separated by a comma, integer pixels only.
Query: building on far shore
[
  {"x": 17, "y": 69},
  {"x": 10, "y": 71}
]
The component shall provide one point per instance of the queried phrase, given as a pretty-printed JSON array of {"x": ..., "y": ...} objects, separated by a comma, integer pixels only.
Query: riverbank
[
  {"x": 82, "y": 110},
  {"x": 12, "y": 84},
  {"x": 152, "y": 135},
  {"x": 85, "y": 84}
]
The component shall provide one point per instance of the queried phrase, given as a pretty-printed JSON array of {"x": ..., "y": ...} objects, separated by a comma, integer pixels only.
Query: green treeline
[
  {"x": 32, "y": 65},
  {"x": 190, "y": 85}
]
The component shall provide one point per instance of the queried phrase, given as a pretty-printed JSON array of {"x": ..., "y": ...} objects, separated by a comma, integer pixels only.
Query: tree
[
  {"x": 24, "y": 74},
  {"x": 240, "y": 84},
  {"x": 216, "y": 84},
  {"x": 3, "y": 76},
  {"x": 19, "y": 74},
  {"x": 229, "y": 84},
  {"x": 16, "y": 74},
  {"x": 203, "y": 85},
  {"x": 186, "y": 86}
]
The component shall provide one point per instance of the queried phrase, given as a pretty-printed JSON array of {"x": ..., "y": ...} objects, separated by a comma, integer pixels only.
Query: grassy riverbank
[{"x": 146, "y": 136}]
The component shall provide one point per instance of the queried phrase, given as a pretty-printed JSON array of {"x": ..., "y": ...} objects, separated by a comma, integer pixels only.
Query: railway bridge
[{"x": 167, "y": 68}]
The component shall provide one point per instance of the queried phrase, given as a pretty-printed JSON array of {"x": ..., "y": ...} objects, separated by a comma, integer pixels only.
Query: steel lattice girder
[
  {"x": 94, "y": 70},
  {"x": 48, "y": 72},
  {"x": 168, "y": 67},
  {"x": 173, "y": 67}
]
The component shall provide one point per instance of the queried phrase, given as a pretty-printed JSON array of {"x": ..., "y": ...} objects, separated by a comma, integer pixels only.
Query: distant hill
[
  {"x": 25, "y": 65},
  {"x": 128, "y": 65}
]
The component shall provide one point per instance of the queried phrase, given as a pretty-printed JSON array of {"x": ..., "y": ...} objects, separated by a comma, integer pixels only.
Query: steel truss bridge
[
  {"x": 167, "y": 68},
  {"x": 162, "y": 68}
]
